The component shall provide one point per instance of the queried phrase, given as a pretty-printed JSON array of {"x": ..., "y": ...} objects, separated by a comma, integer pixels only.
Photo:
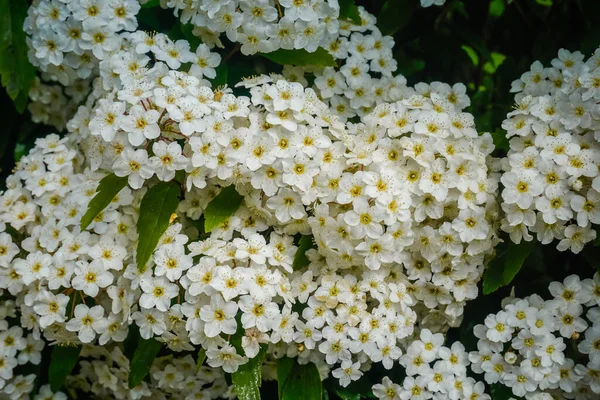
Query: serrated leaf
[
  {"x": 300, "y": 260},
  {"x": 349, "y": 11},
  {"x": 223, "y": 206},
  {"x": 319, "y": 58},
  {"x": 140, "y": 365},
  {"x": 200, "y": 358},
  {"x": 157, "y": 206},
  {"x": 248, "y": 378},
  {"x": 106, "y": 191},
  {"x": 303, "y": 383},
  {"x": 62, "y": 361},
  {"x": 16, "y": 71},
  {"x": 514, "y": 259}
]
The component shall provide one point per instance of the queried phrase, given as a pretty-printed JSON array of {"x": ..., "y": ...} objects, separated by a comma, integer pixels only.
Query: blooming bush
[{"x": 250, "y": 198}]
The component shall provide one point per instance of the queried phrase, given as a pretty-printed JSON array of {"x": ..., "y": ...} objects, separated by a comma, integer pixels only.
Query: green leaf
[
  {"x": 492, "y": 277},
  {"x": 349, "y": 11},
  {"x": 300, "y": 260},
  {"x": 514, "y": 259},
  {"x": 545, "y": 3},
  {"x": 16, "y": 71},
  {"x": 106, "y": 191},
  {"x": 319, "y": 58},
  {"x": 131, "y": 341},
  {"x": 497, "y": 8},
  {"x": 302, "y": 383},
  {"x": 284, "y": 370},
  {"x": 144, "y": 355},
  {"x": 223, "y": 206},
  {"x": 395, "y": 15},
  {"x": 200, "y": 358},
  {"x": 62, "y": 361},
  {"x": 505, "y": 266},
  {"x": 491, "y": 66},
  {"x": 471, "y": 53},
  {"x": 247, "y": 379},
  {"x": 159, "y": 202}
]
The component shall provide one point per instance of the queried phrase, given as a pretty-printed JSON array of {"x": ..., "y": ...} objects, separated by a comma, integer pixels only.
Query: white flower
[
  {"x": 347, "y": 372},
  {"x": 167, "y": 160},
  {"x": 134, "y": 165},
  {"x": 225, "y": 357},
  {"x": 140, "y": 124},
  {"x": 219, "y": 316},
  {"x": 51, "y": 308},
  {"x": 90, "y": 277},
  {"x": 87, "y": 322},
  {"x": 158, "y": 293}
]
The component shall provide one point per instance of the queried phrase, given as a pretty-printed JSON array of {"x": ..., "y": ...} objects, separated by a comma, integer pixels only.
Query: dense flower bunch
[
  {"x": 55, "y": 105},
  {"x": 104, "y": 374},
  {"x": 552, "y": 179},
  {"x": 401, "y": 207},
  {"x": 545, "y": 349},
  {"x": 68, "y": 37},
  {"x": 364, "y": 76},
  {"x": 262, "y": 26},
  {"x": 433, "y": 371},
  {"x": 19, "y": 347}
]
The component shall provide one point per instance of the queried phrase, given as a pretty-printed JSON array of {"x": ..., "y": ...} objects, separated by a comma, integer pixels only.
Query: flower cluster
[
  {"x": 552, "y": 172},
  {"x": 400, "y": 205},
  {"x": 433, "y": 371},
  {"x": 55, "y": 105},
  {"x": 542, "y": 349},
  {"x": 104, "y": 373},
  {"x": 18, "y": 346},
  {"x": 68, "y": 37},
  {"x": 262, "y": 26},
  {"x": 364, "y": 76}
]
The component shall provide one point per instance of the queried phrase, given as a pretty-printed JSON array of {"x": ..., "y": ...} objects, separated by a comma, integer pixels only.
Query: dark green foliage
[
  {"x": 62, "y": 362},
  {"x": 106, "y": 191},
  {"x": 15, "y": 70},
  {"x": 158, "y": 204},
  {"x": 144, "y": 355},
  {"x": 222, "y": 207}
]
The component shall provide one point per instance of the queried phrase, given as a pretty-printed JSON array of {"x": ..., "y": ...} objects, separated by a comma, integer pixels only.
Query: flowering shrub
[{"x": 321, "y": 226}]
